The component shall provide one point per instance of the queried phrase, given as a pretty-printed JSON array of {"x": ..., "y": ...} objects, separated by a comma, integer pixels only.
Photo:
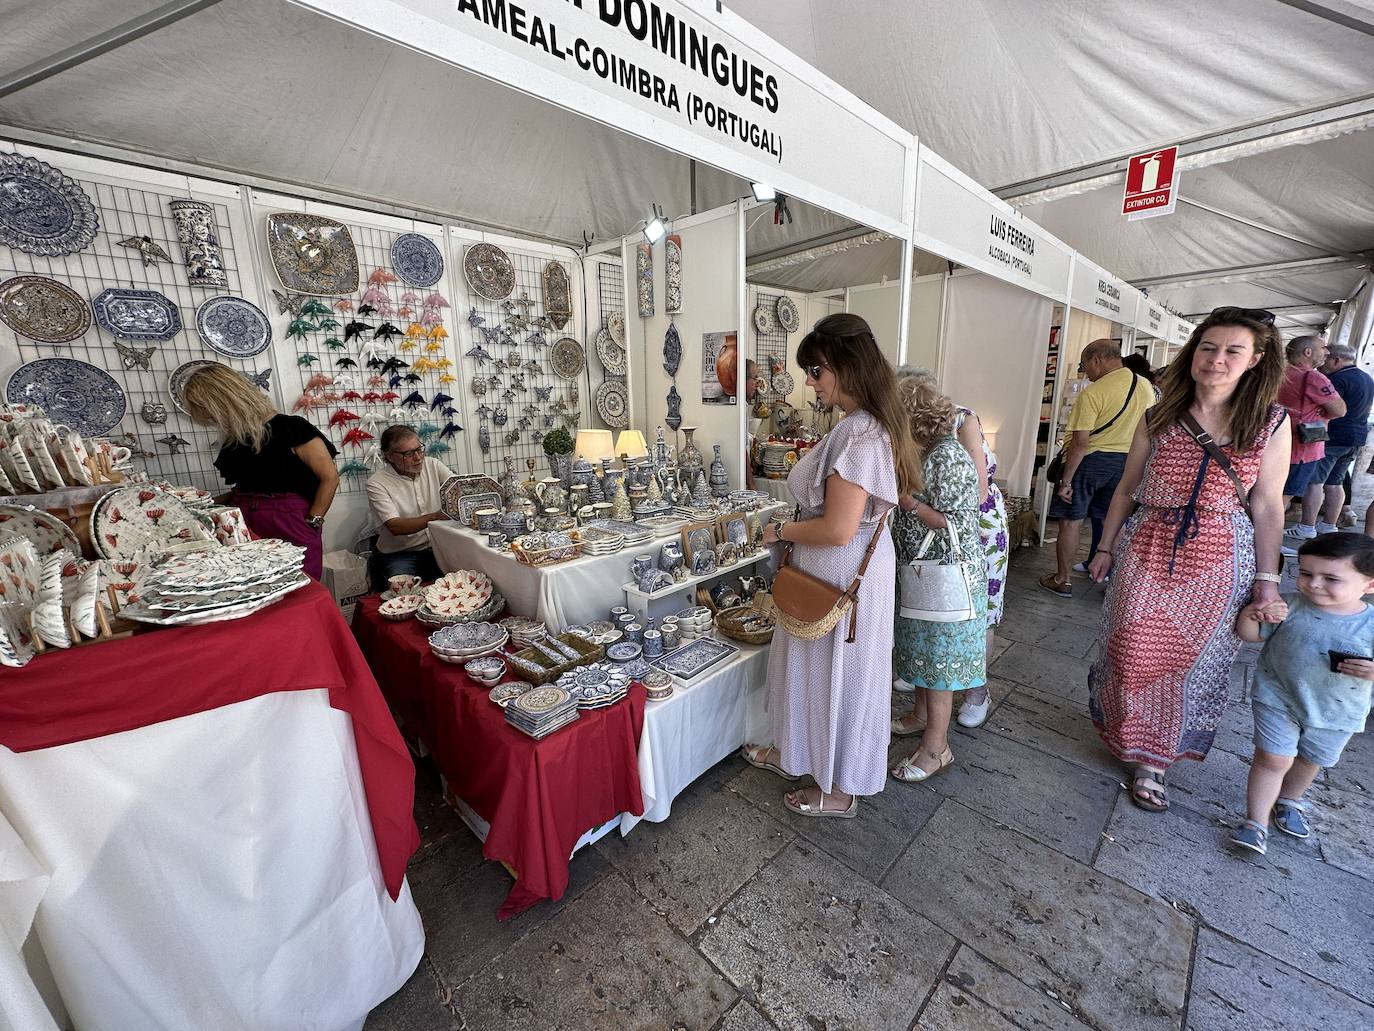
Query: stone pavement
[{"x": 1020, "y": 889}]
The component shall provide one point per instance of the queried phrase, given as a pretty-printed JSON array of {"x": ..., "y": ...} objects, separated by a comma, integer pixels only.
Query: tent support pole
[
  {"x": 1241, "y": 273},
  {"x": 1347, "y": 15},
  {"x": 103, "y": 43},
  {"x": 1253, "y": 224}
]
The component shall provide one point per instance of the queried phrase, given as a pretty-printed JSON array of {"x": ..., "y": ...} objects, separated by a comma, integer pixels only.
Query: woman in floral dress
[
  {"x": 938, "y": 658},
  {"x": 1184, "y": 554}
]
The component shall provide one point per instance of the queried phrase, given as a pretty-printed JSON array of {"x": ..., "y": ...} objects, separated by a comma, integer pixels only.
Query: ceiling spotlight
[
  {"x": 762, "y": 191},
  {"x": 655, "y": 230}
]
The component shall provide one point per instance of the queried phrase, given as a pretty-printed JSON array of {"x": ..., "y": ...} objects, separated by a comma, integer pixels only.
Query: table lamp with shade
[
  {"x": 630, "y": 444},
  {"x": 594, "y": 445}
]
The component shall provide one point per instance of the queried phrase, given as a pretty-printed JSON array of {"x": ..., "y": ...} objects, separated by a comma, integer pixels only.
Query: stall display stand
[{"x": 684, "y": 595}]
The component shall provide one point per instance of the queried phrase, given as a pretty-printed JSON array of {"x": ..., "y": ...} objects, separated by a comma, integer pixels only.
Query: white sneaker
[
  {"x": 901, "y": 685},
  {"x": 974, "y": 715},
  {"x": 1325, "y": 527},
  {"x": 1299, "y": 532},
  {"x": 1080, "y": 567},
  {"x": 1288, "y": 551}
]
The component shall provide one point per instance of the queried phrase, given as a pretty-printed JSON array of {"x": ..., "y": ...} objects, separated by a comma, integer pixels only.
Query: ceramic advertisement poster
[{"x": 719, "y": 368}]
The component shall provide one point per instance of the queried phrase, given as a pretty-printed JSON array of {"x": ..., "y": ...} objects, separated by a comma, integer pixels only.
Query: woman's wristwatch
[
  {"x": 777, "y": 527},
  {"x": 1273, "y": 578}
]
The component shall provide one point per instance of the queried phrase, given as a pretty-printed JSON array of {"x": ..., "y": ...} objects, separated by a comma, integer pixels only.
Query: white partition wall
[
  {"x": 880, "y": 306},
  {"x": 712, "y": 292},
  {"x": 924, "y": 321},
  {"x": 994, "y": 361}
]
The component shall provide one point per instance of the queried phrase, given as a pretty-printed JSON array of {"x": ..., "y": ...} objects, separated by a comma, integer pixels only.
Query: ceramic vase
[
  {"x": 195, "y": 222},
  {"x": 561, "y": 466},
  {"x": 720, "y": 480},
  {"x": 689, "y": 459}
]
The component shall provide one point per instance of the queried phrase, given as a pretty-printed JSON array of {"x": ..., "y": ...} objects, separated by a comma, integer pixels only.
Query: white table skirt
[
  {"x": 213, "y": 871},
  {"x": 577, "y": 591},
  {"x": 687, "y": 734},
  {"x": 775, "y": 489}
]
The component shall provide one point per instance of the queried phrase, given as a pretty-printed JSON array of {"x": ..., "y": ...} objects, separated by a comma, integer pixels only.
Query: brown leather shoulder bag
[{"x": 809, "y": 607}]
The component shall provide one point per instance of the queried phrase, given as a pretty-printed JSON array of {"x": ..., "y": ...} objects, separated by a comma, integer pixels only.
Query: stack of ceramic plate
[
  {"x": 524, "y": 632},
  {"x": 596, "y": 686},
  {"x": 633, "y": 533},
  {"x": 664, "y": 525},
  {"x": 623, "y": 652},
  {"x": 463, "y": 641},
  {"x": 692, "y": 660},
  {"x": 694, "y": 622},
  {"x": 658, "y": 685},
  {"x": 596, "y": 541},
  {"x": 541, "y": 711},
  {"x": 776, "y": 464},
  {"x": 225, "y": 584},
  {"x": 141, "y": 519}
]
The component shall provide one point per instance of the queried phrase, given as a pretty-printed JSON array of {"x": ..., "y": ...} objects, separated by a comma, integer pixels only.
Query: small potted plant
[{"x": 558, "y": 445}]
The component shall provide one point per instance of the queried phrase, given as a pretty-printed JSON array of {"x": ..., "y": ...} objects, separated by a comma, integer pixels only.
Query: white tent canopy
[{"x": 1038, "y": 101}]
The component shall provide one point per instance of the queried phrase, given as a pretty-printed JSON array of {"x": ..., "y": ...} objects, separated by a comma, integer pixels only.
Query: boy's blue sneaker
[
  {"x": 1289, "y": 818},
  {"x": 1250, "y": 835}
]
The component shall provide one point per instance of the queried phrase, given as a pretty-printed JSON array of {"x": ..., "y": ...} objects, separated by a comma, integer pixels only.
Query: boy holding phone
[{"x": 1312, "y": 685}]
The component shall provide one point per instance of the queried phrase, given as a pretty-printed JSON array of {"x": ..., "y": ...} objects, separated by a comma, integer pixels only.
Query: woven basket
[{"x": 730, "y": 622}]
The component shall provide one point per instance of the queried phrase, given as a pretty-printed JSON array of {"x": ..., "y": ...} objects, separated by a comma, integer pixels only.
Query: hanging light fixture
[
  {"x": 763, "y": 192},
  {"x": 655, "y": 229}
]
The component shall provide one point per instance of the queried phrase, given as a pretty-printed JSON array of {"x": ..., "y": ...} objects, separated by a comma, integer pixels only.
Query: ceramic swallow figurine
[
  {"x": 342, "y": 417},
  {"x": 357, "y": 437},
  {"x": 148, "y": 249}
]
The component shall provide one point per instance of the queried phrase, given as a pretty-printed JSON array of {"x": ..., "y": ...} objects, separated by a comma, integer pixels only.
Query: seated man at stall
[{"x": 404, "y": 497}]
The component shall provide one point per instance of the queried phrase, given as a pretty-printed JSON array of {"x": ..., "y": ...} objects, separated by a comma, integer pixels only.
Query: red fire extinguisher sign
[{"x": 1149, "y": 181}]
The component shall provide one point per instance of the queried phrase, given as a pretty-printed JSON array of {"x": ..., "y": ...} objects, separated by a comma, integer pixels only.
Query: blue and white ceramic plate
[
  {"x": 136, "y": 314},
  {"x": 43, "y": 211},
  {"x": 233, "y": 327},
  {"x": 691, "y": 660},
  {"x": 73, "y": 393},
  {"x": 416, "y": 259},
  {"x": 176, "y": 382}
]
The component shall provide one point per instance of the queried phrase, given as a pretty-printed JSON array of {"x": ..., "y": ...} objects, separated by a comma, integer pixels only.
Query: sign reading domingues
[{"x": 699, "y": 81}]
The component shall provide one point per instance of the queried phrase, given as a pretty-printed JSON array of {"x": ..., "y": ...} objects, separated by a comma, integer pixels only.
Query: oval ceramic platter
[
  {"x": 136, "y": 314},
  {"x": 43, "y": 309},
  {"x": 73, "y": 393}
]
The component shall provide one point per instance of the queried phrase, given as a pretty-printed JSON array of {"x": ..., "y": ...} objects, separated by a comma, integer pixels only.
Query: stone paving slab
[
  {"x": 1057, "y": 635},
  {"x": 1274, "y": 903},
  {"x": 1214, "y": 787},
  {"x": 821, "y": 948},
  {"x": 745, "y": 1018},
  {"x": 869, "y": 843},
  {"x": 689, "y": 865},
  {"x": 1051, "y": 800},
  {"x": 1044, "y": 670},
  {"x": 1056, "y": 726},
  {"x": 1343, "y": 823},
  {"x": 416, "y": 1007},
  {"x": 605, "y": 963},
  {"x": 974, "y": 995},
  {"x": 1237, "y": 988},
  {"x": 1355, "y": 771},
  {"x": 458, "y": 903},
  {"x": 1119, "y": 958}
]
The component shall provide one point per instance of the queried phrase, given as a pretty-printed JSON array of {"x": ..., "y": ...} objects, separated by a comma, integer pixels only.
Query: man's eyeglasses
[
  {"x": 414, "y": 452},
  {"x": 1258, "y": 314}
]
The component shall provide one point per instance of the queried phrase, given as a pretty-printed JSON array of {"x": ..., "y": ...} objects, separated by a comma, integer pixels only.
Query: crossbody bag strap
[
  {"x": 1130, "y": 392},
  {"x": 853, "y": 590},
  {"x": 1204, "y": 440}
]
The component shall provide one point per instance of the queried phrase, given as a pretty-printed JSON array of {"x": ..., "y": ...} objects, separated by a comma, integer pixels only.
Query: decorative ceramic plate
[
  {"x": 136, "y": 314},
  {"x": 541, "y": 700},
  {"x": 312, "y": 254},
  {"x": 73, "y": 393},
  {"x": 455, "y": 489},
  {"x": 47, "y": 532},
  {"x": 691, "y": 660},
  {"x": 763, "y": 319},
  {"x": 615, "y": 322},
  {"x": 176, "y": 383},
  {"x": 43, "y": 211},
  {"x": 785, "y": 310},
  {"x": 612, "y": 404},
  {"x": 504, "y": 694},
  {"x": 489, "y": 271},
  {"x": 140, "y": 614},
  {"x": 612, "y": 354},
  {"x": 43, "y": 309},
  {"x": 416, "y": 259},
  {"x": 233, "y": 327},
  {"x": 567, "y": 358},
  {"x": 783, "y": 383},
  {"x": 129, "y": 519}
]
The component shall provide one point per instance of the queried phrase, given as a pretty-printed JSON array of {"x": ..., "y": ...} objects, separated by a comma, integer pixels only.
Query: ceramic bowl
[
  {"x": 623, "y": 651},
  {"x": 507, "y": 693},
  {"x": 399, "y": 608}
]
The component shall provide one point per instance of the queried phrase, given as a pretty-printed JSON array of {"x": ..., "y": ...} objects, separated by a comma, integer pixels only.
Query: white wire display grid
[
  {"x": 134, "y": 211},
  {"x": 515, "y": 388},
  {"x": 373, "y": 246},
  {"x": 610, "y": 291},
  {"x": 769, "y": 348}
]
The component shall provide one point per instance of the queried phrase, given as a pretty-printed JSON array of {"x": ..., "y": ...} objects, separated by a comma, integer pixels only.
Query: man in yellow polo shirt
[{"x": 1101, "y": 425}]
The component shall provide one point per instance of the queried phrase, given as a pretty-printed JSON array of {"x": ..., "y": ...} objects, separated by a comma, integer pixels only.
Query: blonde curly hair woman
[{"x": 281, "y": 468}]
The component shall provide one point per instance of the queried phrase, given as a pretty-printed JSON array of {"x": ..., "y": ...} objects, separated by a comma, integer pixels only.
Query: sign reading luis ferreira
[
  {"x": 680, "y": 74},
  {"x": 1150, "y": 182}
]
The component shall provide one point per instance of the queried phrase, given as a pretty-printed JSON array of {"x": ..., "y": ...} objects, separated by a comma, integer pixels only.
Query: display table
[
  {"x": 577, "y": 591},
  {"x": 775, "y": 489},
  {"x": 702, "y": 723},
  {"x": 222, "y": 815},
  {"x": 537, "y": 796}
]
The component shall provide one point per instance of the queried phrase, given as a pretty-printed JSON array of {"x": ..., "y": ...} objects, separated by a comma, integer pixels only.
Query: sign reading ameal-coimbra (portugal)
[{"x": 1150, "y": 182}]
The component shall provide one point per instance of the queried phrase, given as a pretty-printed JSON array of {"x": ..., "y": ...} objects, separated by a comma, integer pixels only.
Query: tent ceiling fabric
[{"x": 1008, "y": 91}]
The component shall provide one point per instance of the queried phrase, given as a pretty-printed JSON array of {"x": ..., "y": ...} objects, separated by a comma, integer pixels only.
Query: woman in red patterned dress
[{"x": 1186, "y": 558}]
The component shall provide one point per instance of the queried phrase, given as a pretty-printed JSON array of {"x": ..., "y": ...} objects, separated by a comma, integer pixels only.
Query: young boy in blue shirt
[{"x": 1311, "y": 690}]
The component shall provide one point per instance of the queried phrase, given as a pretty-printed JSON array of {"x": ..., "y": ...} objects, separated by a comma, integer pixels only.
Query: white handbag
[{"x": 937, "y": 592}]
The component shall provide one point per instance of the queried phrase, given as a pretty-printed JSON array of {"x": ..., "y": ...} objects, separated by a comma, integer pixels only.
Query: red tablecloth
[
  {"x": 538, "y": 796},
  {"x": 299, "y": 644}
]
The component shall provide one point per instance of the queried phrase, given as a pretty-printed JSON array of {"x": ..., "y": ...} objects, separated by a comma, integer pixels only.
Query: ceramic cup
[
  {"x": 496, "y": 539},
  {"x": 603, "y": 509},
  {"x": 403, "y": 584},
  {"x": 641, "y": 565},
  {"x": 618, "y": 611},
  {"x": 671, "y": 636},
  {"x": 487, "y": 519},
  {"x": 634, "y": 632},
  {"x": 624, "y": 619},
  {"x": 653, "y": 643}
]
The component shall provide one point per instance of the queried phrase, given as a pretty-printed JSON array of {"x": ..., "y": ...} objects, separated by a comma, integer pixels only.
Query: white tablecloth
[
  {"x": 775, "y": 489},
  {"x": 213, "y": 871},
  {"x": 687, "y": 734},
  {"x": 576, "y": 591}
]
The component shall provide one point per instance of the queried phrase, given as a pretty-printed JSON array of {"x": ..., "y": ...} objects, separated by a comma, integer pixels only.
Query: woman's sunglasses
[
  {"x": 814, "y": 371},
  {"x": 1258, "y": 314}
]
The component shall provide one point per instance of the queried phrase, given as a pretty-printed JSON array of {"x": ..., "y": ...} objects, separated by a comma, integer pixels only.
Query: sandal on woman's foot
[
  {"x": 905, "y": 726},
  {"x": 1148, "y": 790},
  {"x": 908, "y": 771},
  {"x": 818, "y": 808},
  {"x": 761, "y": 756}
]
